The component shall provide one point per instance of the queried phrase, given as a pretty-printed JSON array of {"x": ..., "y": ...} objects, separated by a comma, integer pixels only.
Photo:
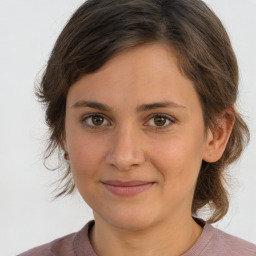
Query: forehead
[
  {"x": 143, "y": 74},
  {"x": 138, "y": 61}
]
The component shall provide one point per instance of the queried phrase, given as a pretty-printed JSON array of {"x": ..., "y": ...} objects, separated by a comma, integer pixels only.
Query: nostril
[
  {"x": 126, "y": 161},
  {"x": 125, "y": 152}
]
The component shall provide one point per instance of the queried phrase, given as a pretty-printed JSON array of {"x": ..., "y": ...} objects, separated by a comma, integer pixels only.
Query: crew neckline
[{"x": 83, "y": 247}]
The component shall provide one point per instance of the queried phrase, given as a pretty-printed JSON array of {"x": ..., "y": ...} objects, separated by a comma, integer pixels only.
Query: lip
[{"x": 127, "y": 188}]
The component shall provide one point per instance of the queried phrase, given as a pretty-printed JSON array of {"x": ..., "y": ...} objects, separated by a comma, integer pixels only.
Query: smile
[{"x": 130, "y": 188}]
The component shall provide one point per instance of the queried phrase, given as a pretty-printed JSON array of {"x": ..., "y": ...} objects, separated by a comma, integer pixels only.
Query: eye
[
  {"x": 160, "y": 121},
  {"x": 95, "y": 121}
]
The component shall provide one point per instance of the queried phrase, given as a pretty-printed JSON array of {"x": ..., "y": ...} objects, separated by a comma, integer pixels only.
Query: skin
[{"x": 127, "y": 144}]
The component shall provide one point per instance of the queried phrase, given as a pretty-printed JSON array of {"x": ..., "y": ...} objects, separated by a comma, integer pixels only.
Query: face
[{"x": 135, "y": 136}]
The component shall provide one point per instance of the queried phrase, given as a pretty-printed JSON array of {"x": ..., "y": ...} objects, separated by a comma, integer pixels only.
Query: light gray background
[{"x": 28, "y": 216}]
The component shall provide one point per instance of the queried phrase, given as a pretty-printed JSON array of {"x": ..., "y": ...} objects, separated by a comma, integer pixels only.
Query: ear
[
  {"x": 64, "y": 147},
  {"x": 217, "y": 138}
]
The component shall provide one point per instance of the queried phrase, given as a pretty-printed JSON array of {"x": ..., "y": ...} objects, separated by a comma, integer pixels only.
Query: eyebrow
[
  {"x": 164, "y": 104},
  {"x": 92, "y": 104},
  {"x": 140, "y": 108}
]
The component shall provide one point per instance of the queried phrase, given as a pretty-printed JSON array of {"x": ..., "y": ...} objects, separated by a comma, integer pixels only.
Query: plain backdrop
[{"x": 28, "y": 214}]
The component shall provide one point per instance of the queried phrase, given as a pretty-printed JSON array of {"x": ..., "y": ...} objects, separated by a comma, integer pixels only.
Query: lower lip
[{"x": 128, "y": 191}]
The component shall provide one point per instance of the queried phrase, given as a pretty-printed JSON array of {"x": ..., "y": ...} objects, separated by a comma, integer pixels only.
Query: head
[{"x": 102, "y": 32}]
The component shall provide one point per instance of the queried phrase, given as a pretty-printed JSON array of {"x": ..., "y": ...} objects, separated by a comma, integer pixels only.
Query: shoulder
[
  {"x": 56, "y": 247},
  {"x": 69, "y": 245},
  {"x": 232, "y": 245},
  {"x": 224, "y": 244},
  {"x": 214, "y": 242}
]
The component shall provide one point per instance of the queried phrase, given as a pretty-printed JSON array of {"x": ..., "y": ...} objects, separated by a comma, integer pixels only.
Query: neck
[{"x": 170, "y": 237}]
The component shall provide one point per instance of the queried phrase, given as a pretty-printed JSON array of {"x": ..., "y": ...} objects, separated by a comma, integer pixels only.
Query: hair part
[{"x": 100, "y": 29}]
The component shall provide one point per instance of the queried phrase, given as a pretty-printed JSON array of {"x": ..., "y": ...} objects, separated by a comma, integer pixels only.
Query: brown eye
[
  {"x": 159, "y": 120},
  {"x": 95, "y": 121}
]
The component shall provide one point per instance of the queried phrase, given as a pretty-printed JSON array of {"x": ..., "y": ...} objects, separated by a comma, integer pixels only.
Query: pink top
[{"x": 212, "y": 242}]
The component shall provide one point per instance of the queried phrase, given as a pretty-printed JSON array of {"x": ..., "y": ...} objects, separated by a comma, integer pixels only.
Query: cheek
[
  {"x": 86, "y": 155},
  {"x": 178, "y": 163},
  {"x": 86, "y": 159},
  {"x": 178, "y": 159}
]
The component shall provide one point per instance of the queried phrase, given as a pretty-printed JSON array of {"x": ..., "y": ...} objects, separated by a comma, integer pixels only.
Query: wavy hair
[{"x": 100, "y": 29}]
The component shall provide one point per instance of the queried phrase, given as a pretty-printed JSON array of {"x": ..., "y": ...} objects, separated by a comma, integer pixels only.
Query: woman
[{"x": 140, "y": 97}]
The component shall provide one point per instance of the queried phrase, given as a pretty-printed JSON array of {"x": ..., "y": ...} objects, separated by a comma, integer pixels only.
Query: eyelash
[
  {"x": 92, "y": 115},
  {"x": 167, "y": 117}
]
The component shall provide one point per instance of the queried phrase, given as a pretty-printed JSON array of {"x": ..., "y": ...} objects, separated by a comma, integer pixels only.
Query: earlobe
[
  {"x": 64, "y": 147},
  {"x": 217, "y": 138},
  {"x": 66, "y": 156}
]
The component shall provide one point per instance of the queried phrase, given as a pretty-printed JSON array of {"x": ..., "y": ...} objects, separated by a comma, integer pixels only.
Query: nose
[{"x": 125, "y": 151}]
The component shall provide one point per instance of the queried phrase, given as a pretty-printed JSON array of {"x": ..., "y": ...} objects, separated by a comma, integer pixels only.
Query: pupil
[
  {"x": 159, "y": 121},
  {"x": 97, "y": 120}
]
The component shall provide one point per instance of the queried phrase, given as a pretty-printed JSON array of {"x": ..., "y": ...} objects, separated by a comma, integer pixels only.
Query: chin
[{"x": 130, "y": 220}]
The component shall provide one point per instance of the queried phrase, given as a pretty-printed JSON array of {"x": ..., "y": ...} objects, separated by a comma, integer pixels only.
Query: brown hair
[{"x": 100, "y": 29}]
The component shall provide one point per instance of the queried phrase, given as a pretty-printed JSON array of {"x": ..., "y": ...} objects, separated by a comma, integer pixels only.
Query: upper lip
[{"x": 131, "y": 183}]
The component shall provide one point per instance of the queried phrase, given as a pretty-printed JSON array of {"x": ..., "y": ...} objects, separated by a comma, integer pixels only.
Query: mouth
[{"x": 127, "y": 188}]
